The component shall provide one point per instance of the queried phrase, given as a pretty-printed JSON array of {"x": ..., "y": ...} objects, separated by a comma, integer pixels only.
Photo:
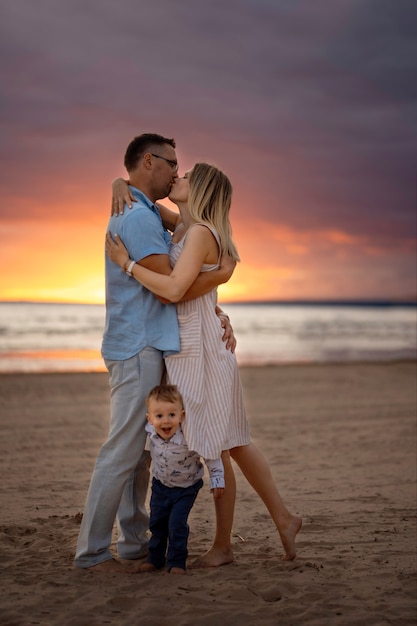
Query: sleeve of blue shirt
[{"x": 143, "y": 234}]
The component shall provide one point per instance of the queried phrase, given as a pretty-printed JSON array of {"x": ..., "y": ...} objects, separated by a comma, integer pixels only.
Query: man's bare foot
[
  {"x": 288, "y": 535},
  {"x": 107, "y": 566},
  {"x": 177, "y": 570},
  {"x": 213, "y": 558},
  {"x": 145, "y": 568}
]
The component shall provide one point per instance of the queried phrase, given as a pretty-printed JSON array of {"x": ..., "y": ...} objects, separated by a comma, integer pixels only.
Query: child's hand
[{"x": 217, "y": 492}]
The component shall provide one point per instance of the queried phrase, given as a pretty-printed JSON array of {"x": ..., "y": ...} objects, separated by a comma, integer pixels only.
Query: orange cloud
[
  {"x": 339, "y": 237},
  {"x": 61, "y": 258},
  {"x": 60, "y": 262}
]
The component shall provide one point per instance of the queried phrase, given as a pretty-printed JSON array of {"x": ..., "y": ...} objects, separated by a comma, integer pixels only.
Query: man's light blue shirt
[{"x": 135, "y": 318}]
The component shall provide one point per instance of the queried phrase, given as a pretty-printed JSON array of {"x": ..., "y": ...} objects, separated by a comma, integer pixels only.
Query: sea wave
[{"x": 67, "y": 337}]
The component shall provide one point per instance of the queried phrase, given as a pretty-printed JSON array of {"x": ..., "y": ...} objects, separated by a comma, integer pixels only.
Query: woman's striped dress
[{"x": 207, "y": 375}]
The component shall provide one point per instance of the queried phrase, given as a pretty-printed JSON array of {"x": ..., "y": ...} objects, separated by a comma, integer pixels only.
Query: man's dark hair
[{"x": 140, "y": 145}]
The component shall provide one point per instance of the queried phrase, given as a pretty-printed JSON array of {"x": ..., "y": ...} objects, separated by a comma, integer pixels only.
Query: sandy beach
[{"x": 341, "y": 442}]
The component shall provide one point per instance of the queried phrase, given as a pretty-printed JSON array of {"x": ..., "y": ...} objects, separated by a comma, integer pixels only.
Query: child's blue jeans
[{"x": 170, "y": 507}]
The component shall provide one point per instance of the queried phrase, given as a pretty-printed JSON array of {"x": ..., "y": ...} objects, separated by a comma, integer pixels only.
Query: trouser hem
[
  {"x": 84, "y": 565},
  {"x": 140, "y": 554}
]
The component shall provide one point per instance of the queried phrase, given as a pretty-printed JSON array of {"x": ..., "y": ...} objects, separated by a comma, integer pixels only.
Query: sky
[{"x": 309, "y": 106}]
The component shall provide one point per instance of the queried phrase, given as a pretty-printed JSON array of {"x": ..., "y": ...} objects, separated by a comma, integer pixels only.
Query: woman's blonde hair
[{"x": 209, "y": 202}]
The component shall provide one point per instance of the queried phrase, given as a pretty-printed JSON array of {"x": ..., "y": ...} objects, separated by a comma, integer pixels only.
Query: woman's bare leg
[
  {"x": 256, "y": 471},
  {"x": 221, "y": 551}
]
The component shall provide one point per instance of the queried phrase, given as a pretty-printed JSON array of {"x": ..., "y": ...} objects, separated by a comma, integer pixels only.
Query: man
[{"x": 140, "y": 330}]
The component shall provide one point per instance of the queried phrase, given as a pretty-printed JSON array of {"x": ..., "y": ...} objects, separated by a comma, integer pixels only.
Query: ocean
[{"x": 40, "y": 337}]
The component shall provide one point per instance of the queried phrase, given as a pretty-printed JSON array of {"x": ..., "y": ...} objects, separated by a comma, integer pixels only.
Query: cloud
[{"x": 309, "y": 107}]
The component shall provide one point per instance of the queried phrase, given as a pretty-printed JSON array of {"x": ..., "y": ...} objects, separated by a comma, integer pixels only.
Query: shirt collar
[{"x": 140, "y": 196}]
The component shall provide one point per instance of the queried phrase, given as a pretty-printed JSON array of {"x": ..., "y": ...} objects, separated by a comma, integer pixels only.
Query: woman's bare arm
[
  {"x": 122, "y": 195},
  {"x": 173, "y": 287},
  {"x": 160, "y": 264}
]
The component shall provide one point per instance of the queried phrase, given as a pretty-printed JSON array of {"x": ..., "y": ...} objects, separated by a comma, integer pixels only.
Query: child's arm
[{"x": 216, "y": 472}]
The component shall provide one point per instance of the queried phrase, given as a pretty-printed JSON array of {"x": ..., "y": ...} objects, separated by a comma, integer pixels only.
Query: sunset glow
[{"x": 316, "y": 134}]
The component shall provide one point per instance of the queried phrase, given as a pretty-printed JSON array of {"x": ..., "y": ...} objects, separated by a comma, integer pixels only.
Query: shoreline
[
  {"x": 242, "y": 366},
  {"x": 340, "y": 441}
]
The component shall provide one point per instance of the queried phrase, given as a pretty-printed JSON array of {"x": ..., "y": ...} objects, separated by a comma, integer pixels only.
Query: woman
[{"x": 205, "y": 372}]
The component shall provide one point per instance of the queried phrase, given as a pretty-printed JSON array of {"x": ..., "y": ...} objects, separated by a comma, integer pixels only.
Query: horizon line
[{"x": 410, "y": 301}]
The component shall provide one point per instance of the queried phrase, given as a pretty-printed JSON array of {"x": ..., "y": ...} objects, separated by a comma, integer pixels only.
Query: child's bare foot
[
  {"x": 288, "y": 534},
  {"x": 213, "y": 558},
  {"x": 144, "y": 568},
  {"x": 177, "y": 570}
]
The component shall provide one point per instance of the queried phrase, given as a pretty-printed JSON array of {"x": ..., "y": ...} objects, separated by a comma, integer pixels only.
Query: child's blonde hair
[
  {"x": 209, "y": 202},
  {"x": 166, "y": 393}
]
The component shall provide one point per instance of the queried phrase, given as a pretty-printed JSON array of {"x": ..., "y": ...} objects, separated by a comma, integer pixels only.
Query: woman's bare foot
[
  {"x": 144, "y": 568},
  {"x": 213, "y": 558},
  {"x": 288, "y": 535},
  {"x": 177, "y": 570}
]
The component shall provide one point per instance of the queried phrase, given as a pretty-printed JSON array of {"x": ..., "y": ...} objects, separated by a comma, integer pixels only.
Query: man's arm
[
  {"x": 206, "y": 281},
  {"x": 160, "y": 263},
  {"x": 157, "y": 263}
]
